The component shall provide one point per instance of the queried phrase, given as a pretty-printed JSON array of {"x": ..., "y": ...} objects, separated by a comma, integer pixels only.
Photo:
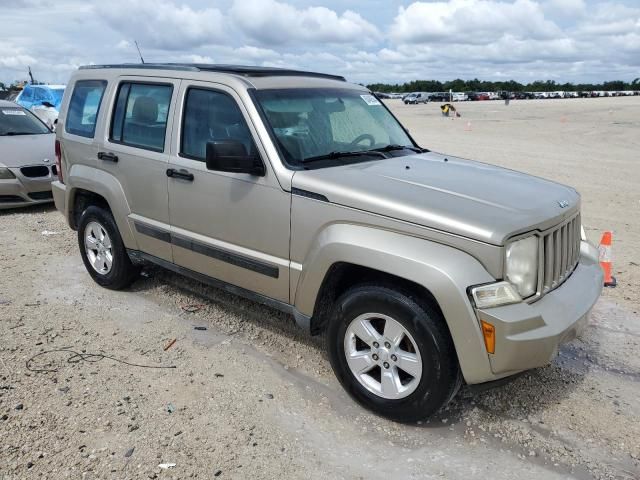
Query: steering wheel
[{"x": 360, "y": 138}]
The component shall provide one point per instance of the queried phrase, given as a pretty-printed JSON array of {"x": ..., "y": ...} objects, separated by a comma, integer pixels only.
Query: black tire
[
  {"x": 122, "y": 272},
  {"x": 440, "y": 378}
]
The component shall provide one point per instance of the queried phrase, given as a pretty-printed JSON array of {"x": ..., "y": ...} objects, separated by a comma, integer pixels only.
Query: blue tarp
[{"x": 34, "y": 95}]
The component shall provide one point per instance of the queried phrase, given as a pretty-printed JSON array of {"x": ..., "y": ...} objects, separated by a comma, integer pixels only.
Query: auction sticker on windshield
[
  {"x": 14, "y": 111},
  {"x": 370, "y": 100}
]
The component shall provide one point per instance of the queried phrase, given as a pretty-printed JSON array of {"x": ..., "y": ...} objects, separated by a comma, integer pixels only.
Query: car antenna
[
  {"x": 141, "y": 59},
  {"x": 33, "y": 82}
]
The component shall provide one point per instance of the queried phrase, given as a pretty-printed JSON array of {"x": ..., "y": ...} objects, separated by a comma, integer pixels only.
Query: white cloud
[
  {"x": 162, "y": 23},
  {"x": 470, "y": 21},
  {"x": 16, "y": 61},
  {"x": 442, "y": 39},
  {"x": 565, "y": 8},
  {"x": 276, "y": 23},
  {"x": 610, "y": 19},
  {"x": 256, "y": 53},
  {"x": 124, "y": 45}
]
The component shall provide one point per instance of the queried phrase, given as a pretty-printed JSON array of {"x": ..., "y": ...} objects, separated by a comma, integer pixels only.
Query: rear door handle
[
  {"x": 108, "y": 157},
  {"x": 183, "y": 174}
]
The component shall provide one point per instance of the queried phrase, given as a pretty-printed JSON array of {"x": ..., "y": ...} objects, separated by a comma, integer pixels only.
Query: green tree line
[{"x": 475, "y": 85}]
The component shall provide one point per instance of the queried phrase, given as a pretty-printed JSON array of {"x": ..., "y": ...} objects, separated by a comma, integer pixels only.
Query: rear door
[
  {"x": 230, "y": 226},
  {"x": 136, "y": 151}
]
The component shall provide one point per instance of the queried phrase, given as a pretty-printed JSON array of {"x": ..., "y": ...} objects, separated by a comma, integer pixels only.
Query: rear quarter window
[{"x": 84, "y": 107}]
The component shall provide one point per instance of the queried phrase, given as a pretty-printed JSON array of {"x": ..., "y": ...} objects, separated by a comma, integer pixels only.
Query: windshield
[
  {"x": 312, "y": 124},
  {"x": 18, "y": 121}
]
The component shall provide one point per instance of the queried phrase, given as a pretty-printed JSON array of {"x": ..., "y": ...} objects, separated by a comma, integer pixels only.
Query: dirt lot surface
[{"x": 250, "y": 398}]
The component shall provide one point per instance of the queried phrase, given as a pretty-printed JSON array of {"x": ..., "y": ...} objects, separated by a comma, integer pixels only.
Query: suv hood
[
  {"x": 463, "y": 197},
  {"x": 21, "y": 150}
]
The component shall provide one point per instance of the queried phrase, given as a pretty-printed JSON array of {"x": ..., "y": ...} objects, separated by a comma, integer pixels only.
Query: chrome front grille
[{"x": 560, "y": 252}]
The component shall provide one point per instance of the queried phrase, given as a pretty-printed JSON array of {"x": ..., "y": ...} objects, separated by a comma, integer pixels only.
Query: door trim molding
[
  {"x": 153, "y": 232},
  {"x": 242, "y": 261}
]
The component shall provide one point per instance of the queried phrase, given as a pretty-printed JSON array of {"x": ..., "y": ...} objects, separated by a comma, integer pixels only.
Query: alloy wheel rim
[
  {"x": 98, "y": 248},
  {"x": 383, "y": 356}
]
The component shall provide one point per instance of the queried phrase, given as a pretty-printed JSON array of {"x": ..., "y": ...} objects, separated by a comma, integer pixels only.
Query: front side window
[
  {"x": 84, "y": 107},
  {"x": 140, "y": 115},
  {"x": 320, "y": 124},
  {"x": 212, "y": 116}
]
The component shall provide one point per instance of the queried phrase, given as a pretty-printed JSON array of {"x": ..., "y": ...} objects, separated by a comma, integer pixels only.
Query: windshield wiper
[
  {"x": 336, "y": 155},
  {"x": 18, "y": 133},
  {"x": 393, "y": 147}
]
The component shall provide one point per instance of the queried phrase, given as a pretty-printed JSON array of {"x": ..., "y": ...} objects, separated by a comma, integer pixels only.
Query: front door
[{"x": 230, "y": 226}]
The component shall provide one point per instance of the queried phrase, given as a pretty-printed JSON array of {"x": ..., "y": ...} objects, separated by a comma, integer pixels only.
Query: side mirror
[{"x": 232, "y": 156}]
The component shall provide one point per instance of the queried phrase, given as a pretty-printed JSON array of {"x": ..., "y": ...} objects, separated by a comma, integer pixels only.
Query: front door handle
[
  {"x": 108, "y": 157},
  {"x": 183, "y": 174}
]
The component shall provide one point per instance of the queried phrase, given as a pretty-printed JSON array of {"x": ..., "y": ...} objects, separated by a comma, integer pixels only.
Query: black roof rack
[{"x": 244, "y": 70}]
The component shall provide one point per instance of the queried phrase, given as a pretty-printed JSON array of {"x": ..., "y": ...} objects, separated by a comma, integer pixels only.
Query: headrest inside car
[{"x": 145, "y": 110}]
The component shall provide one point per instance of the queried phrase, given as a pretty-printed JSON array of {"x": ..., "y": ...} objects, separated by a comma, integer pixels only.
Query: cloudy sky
[{"x": 365, "y": 40}]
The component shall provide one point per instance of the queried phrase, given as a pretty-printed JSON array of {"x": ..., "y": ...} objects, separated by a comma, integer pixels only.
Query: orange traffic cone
[{"x": 605, "y": 259}]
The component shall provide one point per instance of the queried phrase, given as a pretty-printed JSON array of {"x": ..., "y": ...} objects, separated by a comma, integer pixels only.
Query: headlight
[
  {"x": 583, "y": 234},
  {"x": 522, "y": 265},
  {"x": 6, "y": 174},
  {"x": 494, "y": 295}
]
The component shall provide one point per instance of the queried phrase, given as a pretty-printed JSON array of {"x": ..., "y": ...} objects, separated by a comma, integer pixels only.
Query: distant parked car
[
  {"x": 439, "y": 97},
  {"x": 478, "y": 96},
  {"x": 415, "y": 98},
  {"x": 459, "y": 97},
  {"x": 26, "y": 157}
]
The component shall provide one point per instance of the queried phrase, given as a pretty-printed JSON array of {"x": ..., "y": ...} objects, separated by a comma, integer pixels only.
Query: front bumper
[
  {"x": 528, "y": 335},
  {"x": 22, "y": 190}
]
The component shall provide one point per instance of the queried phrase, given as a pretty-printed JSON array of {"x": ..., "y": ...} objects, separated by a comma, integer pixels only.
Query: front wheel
[
  {"x": 103, "y": 253},
  {"x": 392, "y": 352}
]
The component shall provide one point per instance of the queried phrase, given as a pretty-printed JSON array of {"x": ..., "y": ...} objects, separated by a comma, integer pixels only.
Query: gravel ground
[{"x": 250, "y": 397}]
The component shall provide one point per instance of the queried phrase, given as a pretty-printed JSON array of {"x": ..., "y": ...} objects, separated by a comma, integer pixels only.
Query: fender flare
[
  {"x": 107, "y": 186},
  {"x": 445, "y": 271}
]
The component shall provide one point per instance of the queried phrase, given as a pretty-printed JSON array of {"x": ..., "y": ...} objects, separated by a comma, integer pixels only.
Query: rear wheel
[
  {"x": 392, "y": 353},
  {"x": 103, "y": 253}
]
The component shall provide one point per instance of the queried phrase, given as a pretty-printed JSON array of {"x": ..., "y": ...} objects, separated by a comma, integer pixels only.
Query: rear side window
[
  {"x": 140, "y": 115},
  {"x": 84, "y": 107}
]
